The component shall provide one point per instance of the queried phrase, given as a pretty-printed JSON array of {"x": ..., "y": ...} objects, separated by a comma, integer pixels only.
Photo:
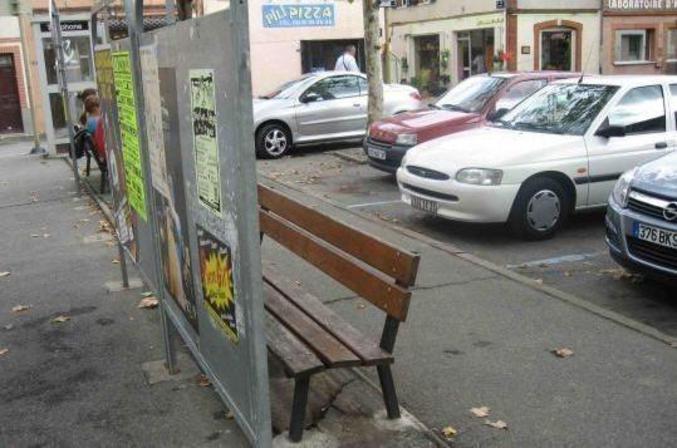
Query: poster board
[{"x": 191, "y": 187}]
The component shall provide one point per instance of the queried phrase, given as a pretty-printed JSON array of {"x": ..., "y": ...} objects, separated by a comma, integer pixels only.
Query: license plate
[
  {"x": 376, "y": 153},
  {"x": 426, "y": 205},
  {"x": 661, "y": 237}
]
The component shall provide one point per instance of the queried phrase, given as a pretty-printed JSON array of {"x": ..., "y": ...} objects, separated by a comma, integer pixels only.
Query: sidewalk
[
  {"x": 85, "y": 382},
  {"x": 476, "y": 337}
]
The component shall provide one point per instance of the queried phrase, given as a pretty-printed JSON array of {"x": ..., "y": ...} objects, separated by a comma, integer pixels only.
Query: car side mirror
[
  {"x": 497, "y": 114},
  {"x": 611, "y": 131},
  {"x": 311, "y": 97}
]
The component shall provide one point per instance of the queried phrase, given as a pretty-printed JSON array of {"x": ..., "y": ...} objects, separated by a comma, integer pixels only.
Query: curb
[{"x": 571, "y": 299}]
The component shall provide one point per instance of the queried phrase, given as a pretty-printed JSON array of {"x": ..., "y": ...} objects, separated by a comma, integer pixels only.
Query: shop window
[
  {"x": 641, "y": 111},
  {"x": 671, "y": 46},
  {"x": 633, "y": 46},
  {"x": 77, "y": 58},
  {"x": 557, "y": 49}
]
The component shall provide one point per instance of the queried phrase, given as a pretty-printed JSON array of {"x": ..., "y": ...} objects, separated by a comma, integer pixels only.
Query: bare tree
[{"x": 373, "y": 67}]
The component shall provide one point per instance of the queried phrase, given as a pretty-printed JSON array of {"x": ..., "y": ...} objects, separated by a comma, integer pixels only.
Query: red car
[{"x": 470, "y": 104}]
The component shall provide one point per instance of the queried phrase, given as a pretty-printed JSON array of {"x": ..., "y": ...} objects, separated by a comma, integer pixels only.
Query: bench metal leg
[
  {"x": 385, "y": 375},
  {"x": 298, "y": 410}
]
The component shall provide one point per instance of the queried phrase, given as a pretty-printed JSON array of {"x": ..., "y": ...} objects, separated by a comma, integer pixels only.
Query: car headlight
[
  {"x": 479, "y": 176},
  {"x": 622, "y": 188},
  {"x": 407, "y": 139}
]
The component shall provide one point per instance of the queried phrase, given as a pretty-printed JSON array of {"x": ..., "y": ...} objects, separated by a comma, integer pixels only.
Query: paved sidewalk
[
  {"x": 85, "y": 382},
  {"x": 477, "y": 337}
]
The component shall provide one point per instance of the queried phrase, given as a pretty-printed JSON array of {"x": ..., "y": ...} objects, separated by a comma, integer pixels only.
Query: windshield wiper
[
  {"x": 434, "y": 106},
  {"x": 455, "y": 107}
]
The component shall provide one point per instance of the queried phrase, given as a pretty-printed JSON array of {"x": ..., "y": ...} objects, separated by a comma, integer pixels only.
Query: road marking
[
  {"x": 370, "y": 204},
  {"x": 556, "y": 260}
]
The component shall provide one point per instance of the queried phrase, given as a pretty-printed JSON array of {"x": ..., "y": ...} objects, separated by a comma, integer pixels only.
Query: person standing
[{"x": 346, "y": 62}]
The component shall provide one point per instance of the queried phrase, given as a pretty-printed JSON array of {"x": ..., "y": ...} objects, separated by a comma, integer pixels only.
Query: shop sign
[
  {"x": 289, "y": 16},
  {"x": 80, "y": 25},
  {"x": 638, "y": 5},
  {"x": 490, "y": 22}
]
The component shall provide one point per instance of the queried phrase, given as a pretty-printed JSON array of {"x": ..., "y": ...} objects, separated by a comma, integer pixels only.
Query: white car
[
  {"x": 321, "y": 107},
  {"x": 559, "y": 151}
]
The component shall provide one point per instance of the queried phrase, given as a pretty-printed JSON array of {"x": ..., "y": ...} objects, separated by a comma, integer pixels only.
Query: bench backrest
[{"x": 372, "y": 268}]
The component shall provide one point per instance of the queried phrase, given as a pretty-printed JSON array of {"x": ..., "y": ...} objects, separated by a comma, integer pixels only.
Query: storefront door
[
  {"x": 427, "y": 50},
  {"x": 464, "y": 57},
  {"x": 79, "y": 75},
  {"x": 557, "y": 49},
  {"x": 10, "y": 105}
]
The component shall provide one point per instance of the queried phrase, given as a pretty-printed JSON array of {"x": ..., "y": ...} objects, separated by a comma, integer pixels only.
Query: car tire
[
  {"x": 540, "y": 208},
  {"x": 273, "y": 141}
]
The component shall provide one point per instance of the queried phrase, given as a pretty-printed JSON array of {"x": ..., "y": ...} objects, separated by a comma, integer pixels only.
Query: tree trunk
[{"x": 373, "y": 60}]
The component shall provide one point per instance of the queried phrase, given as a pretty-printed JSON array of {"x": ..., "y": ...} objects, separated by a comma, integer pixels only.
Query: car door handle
[
  {"x": 357, "y": 105},
  {"x": 661, "y": 145}
]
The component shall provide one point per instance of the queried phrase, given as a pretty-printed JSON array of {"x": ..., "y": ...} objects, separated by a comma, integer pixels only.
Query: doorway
[
  {"x": 321, "y": 55},
  {"x": 10, "y": 103},
  {"x": 475, "y": 52},
  {"x": 557, "y": 49},
  {"x": 427, "y": 58}
]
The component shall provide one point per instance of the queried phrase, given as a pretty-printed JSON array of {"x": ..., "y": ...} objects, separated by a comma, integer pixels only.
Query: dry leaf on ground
[
  {"x": 4, "y": 351},
  {"x": 230, "y": 415},
  {"x": 46, "y": 235},
  {"x": 202, "y": 380},
  {"x": 9, "y": 327},
  {"x": 148, "y": 302},
  {"x": 20, "y": 308},
  {"x": 61, "y": 319},
  {"x": 563, "y": 352},
  {"x": 115, "y": 261},
  {"x": 146, "y": 293},
  {"x": 449, "y": 432},
  {"x": 35, "y": 235},
  {"x": 498, "y": 424},
  {"x": 482, "y": 411},
  {"x": 4, "y": 274}
]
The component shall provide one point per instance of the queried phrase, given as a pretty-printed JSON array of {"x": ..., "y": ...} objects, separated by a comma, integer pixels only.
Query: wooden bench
[{"x": 306, "y": 336}]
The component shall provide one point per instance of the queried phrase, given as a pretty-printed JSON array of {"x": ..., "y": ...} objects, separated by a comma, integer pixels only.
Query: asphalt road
[{"x": 576, "y": 261}]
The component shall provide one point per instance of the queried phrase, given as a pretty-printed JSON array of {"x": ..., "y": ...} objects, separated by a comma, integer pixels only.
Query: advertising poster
[
  {"x": 153, "y": 114},
  {"x": 171, "y": 208},
  {"x": 216, "y": 272},
  {"x": 129, "y": 135},
  {"x": 124, "y": 219},
  {"x": 205, "y": 143}
]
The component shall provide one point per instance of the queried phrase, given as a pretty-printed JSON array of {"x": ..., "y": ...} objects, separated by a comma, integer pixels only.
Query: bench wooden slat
[
  {"x": 367, "y": 283},
  {"x": 297, "y": 358},
  {"x": 394, "y": 262},
  {"x": 367, "y": 350},
  {"x": 329, "y": 349}
]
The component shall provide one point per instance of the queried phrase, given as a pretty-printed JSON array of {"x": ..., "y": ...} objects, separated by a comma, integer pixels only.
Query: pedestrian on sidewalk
[{"x": 346, "y": 62}]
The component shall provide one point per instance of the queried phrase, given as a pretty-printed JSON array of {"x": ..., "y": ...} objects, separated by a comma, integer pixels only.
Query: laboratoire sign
[
  {"x": 298, "y": 15},
  {"x": 641, "y": 5}
]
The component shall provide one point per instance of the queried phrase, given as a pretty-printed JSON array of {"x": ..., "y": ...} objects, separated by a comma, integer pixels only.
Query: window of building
[
  {"x": 633, "y": 46},
  {"x": 671, "y": 46},
  {"x": 642, "y": 110}
]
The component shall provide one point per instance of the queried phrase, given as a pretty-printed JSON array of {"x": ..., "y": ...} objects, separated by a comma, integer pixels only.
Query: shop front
[
  {"x": 435, "y": 54},
  {"x": 640, "y": 37}
]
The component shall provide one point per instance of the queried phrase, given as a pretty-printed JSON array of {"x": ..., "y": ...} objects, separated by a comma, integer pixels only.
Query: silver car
[{"x": 321, "y": 107}]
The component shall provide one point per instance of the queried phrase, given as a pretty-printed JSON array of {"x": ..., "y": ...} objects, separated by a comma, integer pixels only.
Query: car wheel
[
  {"x": 273, "y": 141},
  {"x": 541, "y": 207}
]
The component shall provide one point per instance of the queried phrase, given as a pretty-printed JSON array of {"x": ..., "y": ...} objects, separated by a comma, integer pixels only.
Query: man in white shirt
[{"x": 346, "y": 62}]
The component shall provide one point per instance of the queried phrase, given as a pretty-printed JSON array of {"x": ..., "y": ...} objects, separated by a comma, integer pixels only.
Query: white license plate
[
  {"x": 376, "y": 153},
  {"x": 662, "y": 237},
  {"x": 426, "y": 205}
]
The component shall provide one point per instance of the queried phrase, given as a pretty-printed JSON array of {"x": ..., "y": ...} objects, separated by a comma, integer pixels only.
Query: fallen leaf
[
  {"x": 563, "y": 352},
  {"x": 9, "y": 327},
  {"x": 115, "y": 261},
  {"x": 35, "y": 235},
  {"x": 230, "y": 415},
  {"x": 539, "y": 281},
  {"x": 46, "y": 235},
  {"x": 148, "y": 302},
  {"x": 567, "y": 274},
  {"x": 146, "y": 293},
  {"x": 61, "y": 319},
  {"x": 4, "y": 351},
  {"x": 4, "y": 274},
  {"x": 481, "y": 412},
  {"x": 448, "y": 432},
  {"x": 21, "y": 308},
  {"x": 361, "y": 306},
  {"x": 203, "y": 380},
  {"x": 498, "y": 424}
]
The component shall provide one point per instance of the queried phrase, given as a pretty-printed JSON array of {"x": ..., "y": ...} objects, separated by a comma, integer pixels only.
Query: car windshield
[
  {"x": 560, "y": 109},
  {"x": 285, "y": 89},
  {"x": 471, "y": 95}
]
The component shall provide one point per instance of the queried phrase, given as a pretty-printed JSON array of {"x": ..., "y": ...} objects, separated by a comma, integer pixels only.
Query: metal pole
[
  {"x": 24, "y": 17},
  {"x": 134, "y": 14},
  {"x": 63, "y": 84}
]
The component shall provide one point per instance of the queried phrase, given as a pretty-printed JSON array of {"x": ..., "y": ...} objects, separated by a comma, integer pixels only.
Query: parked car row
[{"x": 525, "y": 149}]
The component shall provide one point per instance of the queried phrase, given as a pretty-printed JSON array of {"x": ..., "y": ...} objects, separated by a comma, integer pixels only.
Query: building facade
[
  {"x": 436, "y": 43},
  {"x": 639, "y": 37}
]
